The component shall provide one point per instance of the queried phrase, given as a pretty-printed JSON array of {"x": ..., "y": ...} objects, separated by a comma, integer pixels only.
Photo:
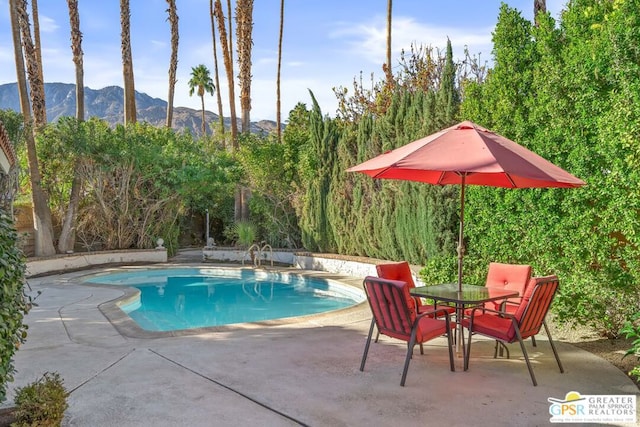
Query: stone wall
[{"x": 82, "y": 260}]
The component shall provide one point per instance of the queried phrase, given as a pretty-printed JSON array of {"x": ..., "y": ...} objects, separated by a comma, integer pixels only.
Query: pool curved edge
[{"x": 127, "y": 327}]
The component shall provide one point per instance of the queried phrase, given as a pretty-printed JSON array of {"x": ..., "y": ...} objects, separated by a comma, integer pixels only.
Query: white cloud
[
  {"x": 368, "y": 41},
  {"x": 47, "y": 25}
]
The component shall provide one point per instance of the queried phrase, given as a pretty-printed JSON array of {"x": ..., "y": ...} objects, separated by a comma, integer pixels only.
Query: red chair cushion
[
  {"x": 402, "y": 271},
  {"x": 392, "y": 306},
  {"x": 396, "y": 271},
  {"x": 430, "y": 328},
  {"x": 492, "y": 325},
  {"x": 513, "y": 277}
]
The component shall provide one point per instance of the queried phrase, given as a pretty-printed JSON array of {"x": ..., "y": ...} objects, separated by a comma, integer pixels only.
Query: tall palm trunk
[
  {"x": 387, "y": 70},
  {"x": 41, "y": 211},
  {"x": 66, "y": 242},
  {"x": 173, "y": 64},
  {"x": 227, "y": 48},
  {"x": 278, "y": 104},
  {"x": 204, "y": 122},
  {"x": 36, "y": 37},
  {"x": 36, "y": 86},
  {"x": 78, "y": 59},
  {"x": 127, "y": 64},
  {"x": 227, "y": 56},
  {"x": 215, "y": 69},
  {"x": 538, "y": 7},
  {"x": 244, "y": 30}
]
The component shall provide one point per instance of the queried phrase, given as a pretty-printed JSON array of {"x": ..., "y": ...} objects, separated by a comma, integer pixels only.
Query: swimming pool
[{"x": 170, "y": 299}]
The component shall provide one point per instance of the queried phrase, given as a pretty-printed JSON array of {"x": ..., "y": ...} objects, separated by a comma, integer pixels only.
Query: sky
[{"x": 326, "y": 44}]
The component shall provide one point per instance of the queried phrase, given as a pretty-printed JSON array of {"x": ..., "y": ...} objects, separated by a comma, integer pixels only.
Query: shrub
[
  {"x": 631, "y": 330},
  {"x": 245, "y": 233},
  {"x": 13, "y": 304},
  {"x": 41, "y": 403}
]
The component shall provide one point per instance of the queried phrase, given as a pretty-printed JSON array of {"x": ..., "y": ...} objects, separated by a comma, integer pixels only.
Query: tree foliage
[
  {"x": 569, "y": 93},
  {"x": 13, "y": 303},
  {"x": 352, "y": 214},
  {"x": 139, "y": 182}
]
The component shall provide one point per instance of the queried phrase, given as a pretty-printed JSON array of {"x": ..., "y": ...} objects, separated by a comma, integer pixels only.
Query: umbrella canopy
[{"x": 467, "y": 154}]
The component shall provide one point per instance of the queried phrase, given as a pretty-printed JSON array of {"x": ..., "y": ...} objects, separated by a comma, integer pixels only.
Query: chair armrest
[
  {"x": 503, "y": 304},
  {"x": 435, "y": 313},
  {"x": 488, "y": 310}
]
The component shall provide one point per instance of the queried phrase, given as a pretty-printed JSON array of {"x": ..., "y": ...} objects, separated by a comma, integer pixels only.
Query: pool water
[{"x": 179, "y": 298}]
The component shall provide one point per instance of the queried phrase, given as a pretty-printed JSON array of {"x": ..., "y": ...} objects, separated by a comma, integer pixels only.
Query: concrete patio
[{"x": 304, "y": 372}]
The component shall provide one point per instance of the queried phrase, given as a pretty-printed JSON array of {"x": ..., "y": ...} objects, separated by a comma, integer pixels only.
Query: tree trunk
[
  {"x": 204, "y": 126},
  {"x": 66, "y": 241},
  {"x": 388, "y": 72},
  {"x": 127, "y": 64},
  {"x": 78, "y": 60},
  {"x": 244, "y": 41},
  {"x": 278, "y": 104},
  {"x": 41, "y": 211},
  {"x": 244, "y": 30},
  {"x": 539, "y": 6},
  {"x": 36, "y": 86},
  {"x": 173, "y": 64},
  {"x": 36, "y": 38},
  {"x": 228, "y": 64},
  {"x": 217, "y": 74}
]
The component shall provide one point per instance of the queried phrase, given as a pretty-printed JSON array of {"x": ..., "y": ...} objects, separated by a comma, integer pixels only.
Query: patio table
[{"x": 468, "y": 296}]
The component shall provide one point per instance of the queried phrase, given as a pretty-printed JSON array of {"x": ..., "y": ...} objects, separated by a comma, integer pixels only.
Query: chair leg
[
  {"x": 412, "y": 343},
  {"x": 553, "y": 346},
  {"x": 377, "y": 336},
  {"x": 526, "y": 356},
  {"x": 366, "y": 347},
  {"x": 467, "y": 354},
  {"x": 450, "y": 345},
  {"x": 533, "y": 341},
  {"x": 499, "y": 350}
]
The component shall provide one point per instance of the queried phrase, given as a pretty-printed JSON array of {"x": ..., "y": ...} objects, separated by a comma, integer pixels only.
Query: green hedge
[{"x": 13, "y": 303}]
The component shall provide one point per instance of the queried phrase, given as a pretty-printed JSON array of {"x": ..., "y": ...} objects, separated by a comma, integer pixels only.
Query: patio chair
[
  {"x": 526, "y": 322},
  {"x": 394, "y": 314},
  {"x": 508, "y": 276},
  {"x": 401, "y": 271}
]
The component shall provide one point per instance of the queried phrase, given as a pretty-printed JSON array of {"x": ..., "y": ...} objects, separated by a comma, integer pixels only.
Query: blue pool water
[{"x": 185, "y": 298}]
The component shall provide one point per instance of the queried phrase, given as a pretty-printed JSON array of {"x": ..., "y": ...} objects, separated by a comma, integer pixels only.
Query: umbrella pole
[{"x": 461, "y": 234}]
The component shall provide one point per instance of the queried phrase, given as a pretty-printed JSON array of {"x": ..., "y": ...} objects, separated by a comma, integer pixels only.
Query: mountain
[{"x": 107, "y": 103}]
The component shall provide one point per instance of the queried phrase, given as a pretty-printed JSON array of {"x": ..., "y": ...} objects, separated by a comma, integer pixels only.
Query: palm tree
[
  {"x": 244, "y": 30},
  {"x": 227, "y": 55},
  {"x": 215, "y": 70},
  {"x": 173, "y": 64},
  {"x": 66, "y": 240},
  {"x": 127, "y": 64},
  {"x": 36, "y": 84},
  {"x": 76, "y": 50},
  {"x": 278, "y": 117},
  {"x": 36, "y": 36},
  {"x": 41, "y": 211},
  {"x": 387, "y": 69},
  {"x": 201, "y": 80},
  {"x": 538, "y": 7}
]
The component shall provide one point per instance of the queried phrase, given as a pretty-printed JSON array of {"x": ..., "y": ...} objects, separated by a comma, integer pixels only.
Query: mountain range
[{"x": 108, "y": 104}]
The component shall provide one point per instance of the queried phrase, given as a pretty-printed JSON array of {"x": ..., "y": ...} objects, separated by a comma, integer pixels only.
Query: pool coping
[{"x": 127, "y": 327}]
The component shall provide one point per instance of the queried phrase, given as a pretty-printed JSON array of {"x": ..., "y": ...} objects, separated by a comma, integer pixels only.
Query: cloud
[
  {"x": 47, "y": 25},
  {"x": 369, "y": 40}
]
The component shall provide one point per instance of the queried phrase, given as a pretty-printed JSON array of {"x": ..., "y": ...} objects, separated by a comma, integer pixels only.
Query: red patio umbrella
[{"x": 467, "y": 154}]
